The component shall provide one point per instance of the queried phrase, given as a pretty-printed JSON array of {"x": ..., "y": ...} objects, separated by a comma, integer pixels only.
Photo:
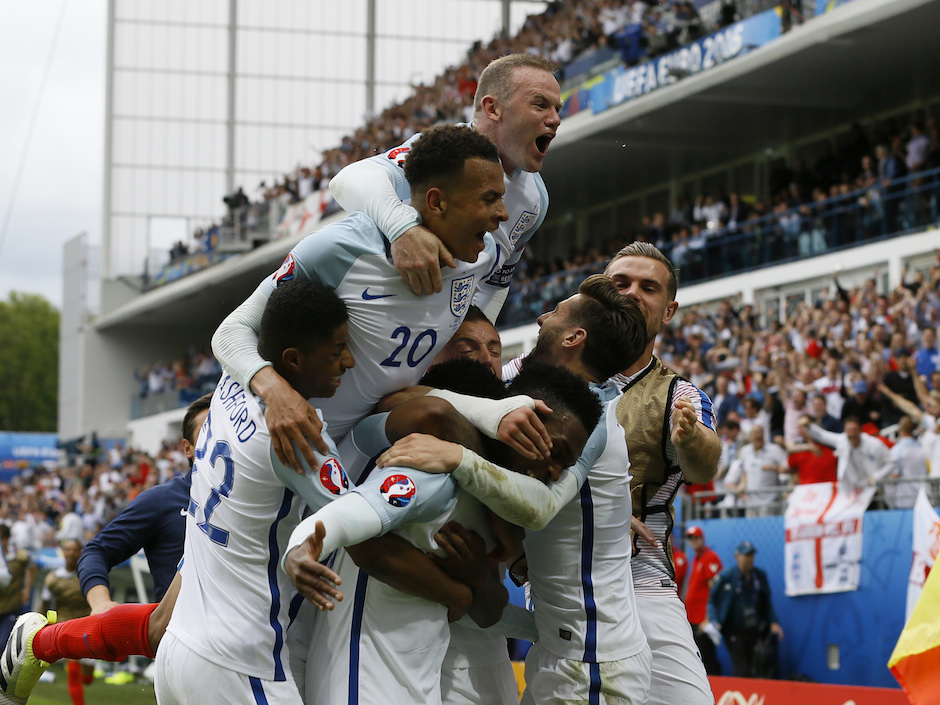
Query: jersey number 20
[{"x": 414, "y": 356}]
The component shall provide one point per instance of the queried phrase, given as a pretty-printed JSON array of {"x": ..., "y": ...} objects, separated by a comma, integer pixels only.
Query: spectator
[
  {"x": 820, "y": 416},
  {"x": 757, "y": 467},
  {"x": 740, "y": 606},
  {"x": 910, "y": 462},
  {"x": 863, "y": 459},
  {"x": 831, "y": 386},
  {"x": 862, "y": 405},
  {"x": 811, "y": 461},
  {"x": 901, "y": 382},
  {"x": 61, "y": 591},
  {"x": 705, "y": 566},
  {"x": 927, "y": 358}
]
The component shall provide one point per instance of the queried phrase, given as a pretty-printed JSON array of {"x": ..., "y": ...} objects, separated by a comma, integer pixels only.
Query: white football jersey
[
  {"x": 379, "y": 644},
  {"x": 579, "y": 564},
  {"x": 393, "y": 334},
  {"x": 233, "y": 604},
  {"x": 526, "y": 201}
]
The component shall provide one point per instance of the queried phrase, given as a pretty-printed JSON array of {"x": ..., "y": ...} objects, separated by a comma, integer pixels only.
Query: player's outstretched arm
[
  {"x": 697, "y": 446},
  {"x": 512, "y": 420},
  {"x": 517, "y": 498},
  {"x": 312, "y": 579}
]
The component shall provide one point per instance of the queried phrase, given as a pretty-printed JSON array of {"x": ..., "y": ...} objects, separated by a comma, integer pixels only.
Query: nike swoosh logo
[
  {"x": 366, "y": 296},
  {"x": 183, "y": 512}
]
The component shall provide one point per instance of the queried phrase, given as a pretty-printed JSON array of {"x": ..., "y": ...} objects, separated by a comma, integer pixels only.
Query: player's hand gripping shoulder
[
  {"x": 312, "y": 579},
  {"x": 422, "y": 452},
  {"x": 291, "y": 420},
  {"x": 418, "y": 256}
]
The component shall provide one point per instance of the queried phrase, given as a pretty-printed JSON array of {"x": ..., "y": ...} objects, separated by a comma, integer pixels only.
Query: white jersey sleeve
[
  {"x": 388, "y": 499},
  {"x": 521, "y": 499},
  {"x": 377, "y": 187},
  {"x": 235, "y": 342}
]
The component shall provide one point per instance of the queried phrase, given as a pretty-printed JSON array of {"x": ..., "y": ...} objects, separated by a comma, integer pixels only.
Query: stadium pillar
[
  {"x": 370, "y": 59},
  {"x": 230, "y": 107}
]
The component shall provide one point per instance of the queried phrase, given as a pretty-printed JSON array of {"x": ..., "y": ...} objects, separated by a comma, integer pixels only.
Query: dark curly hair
[
  {"x": 438, "y": 158},
  {"x": 561, "y": 389},
  {"x": 465, "y": 376},
  {"x": 299, "y": 314}
]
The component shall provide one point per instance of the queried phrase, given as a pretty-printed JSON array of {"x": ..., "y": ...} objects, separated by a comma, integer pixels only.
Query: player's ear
[
  {"x": 435, "y": 199},
  {"x": 291, "y": 359},
  {"x": 670, "y": 311},
  {"x": 491, "y": 107},
  {"x": 574, "y": 337}
]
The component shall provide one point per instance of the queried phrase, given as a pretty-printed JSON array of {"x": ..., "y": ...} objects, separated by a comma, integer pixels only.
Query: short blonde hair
[
  {"x": 645, "y": 249},
  {"x": 496, "y": 79}
]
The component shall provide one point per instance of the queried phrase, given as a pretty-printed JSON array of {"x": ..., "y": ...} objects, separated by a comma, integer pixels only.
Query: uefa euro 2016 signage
[{"x": 623, "y": 84}]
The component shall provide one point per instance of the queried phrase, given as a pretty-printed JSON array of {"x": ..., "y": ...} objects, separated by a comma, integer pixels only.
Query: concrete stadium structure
[{"x": 862, "y": 61}]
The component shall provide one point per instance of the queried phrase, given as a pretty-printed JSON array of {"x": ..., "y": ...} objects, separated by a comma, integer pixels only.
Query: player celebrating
[
  {"x": 516, "y": 105},
  {"x": 590, "y": 642},
  {"x": 391, "y": 645},
  {"x": 456, "y": 183},
  {"x": 663, "y": 455},
  {"x": 230, "y": 616}
]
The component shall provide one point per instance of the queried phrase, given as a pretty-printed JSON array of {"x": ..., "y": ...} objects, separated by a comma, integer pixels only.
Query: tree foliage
[{"x": 29, "y": 363}]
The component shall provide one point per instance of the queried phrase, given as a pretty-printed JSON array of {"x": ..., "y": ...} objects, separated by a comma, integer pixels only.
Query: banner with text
[
  {"x": 926, "y": 547},
  {"x": 623, "y": 84},
  {"x": 754, "y": 691},
  {"x": 823, "y": 550}
]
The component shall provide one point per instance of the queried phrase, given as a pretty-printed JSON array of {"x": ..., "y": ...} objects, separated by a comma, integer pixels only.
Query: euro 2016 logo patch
[
  {"x": 286, "y": 271},
  {"x": 333, "y": 477},
  {"x": 398, "y": 155},
  {"x": 398, "y": 490},
  {"x": 460, "y": 293}
]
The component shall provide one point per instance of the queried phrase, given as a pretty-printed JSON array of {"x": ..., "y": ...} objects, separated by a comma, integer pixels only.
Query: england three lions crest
[{"x": 461, "y": 291}]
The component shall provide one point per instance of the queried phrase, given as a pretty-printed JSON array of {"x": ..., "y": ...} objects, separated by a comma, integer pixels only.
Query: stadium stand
[{"x": 581, "y": 38}]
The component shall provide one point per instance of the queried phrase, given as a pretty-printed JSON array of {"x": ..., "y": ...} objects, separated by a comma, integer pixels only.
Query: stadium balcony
[
  {"x": 803, "y": 232},
  {"x": 807, "y": 84}
]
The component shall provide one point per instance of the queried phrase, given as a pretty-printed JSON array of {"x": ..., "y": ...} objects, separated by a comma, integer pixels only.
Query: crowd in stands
[
  {"x": 195, "y": 374},
  {"x": 853, "y": 361},
  {"x": 47, "y": 504},
  {"x": 564, "y": 33},
  {"x": 863, "y": 185}
]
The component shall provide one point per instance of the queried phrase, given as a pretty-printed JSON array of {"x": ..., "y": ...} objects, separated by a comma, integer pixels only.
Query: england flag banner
[
  {"x": 926, "y": 547},
  {"x": 823, "y": 550}
]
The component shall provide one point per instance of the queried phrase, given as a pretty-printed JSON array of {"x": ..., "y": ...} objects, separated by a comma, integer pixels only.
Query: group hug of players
[{"x": 366, "y": 470}]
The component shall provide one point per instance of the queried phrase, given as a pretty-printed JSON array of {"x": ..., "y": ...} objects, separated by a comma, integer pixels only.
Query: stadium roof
[
  {"x": 866, "y": 56},
  {"x": 862, "y": 58}
]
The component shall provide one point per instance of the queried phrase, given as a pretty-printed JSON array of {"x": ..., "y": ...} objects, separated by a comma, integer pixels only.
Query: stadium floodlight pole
[
  {"x": 370, "y": 59},
  {"x": 230, "y": 107}
]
